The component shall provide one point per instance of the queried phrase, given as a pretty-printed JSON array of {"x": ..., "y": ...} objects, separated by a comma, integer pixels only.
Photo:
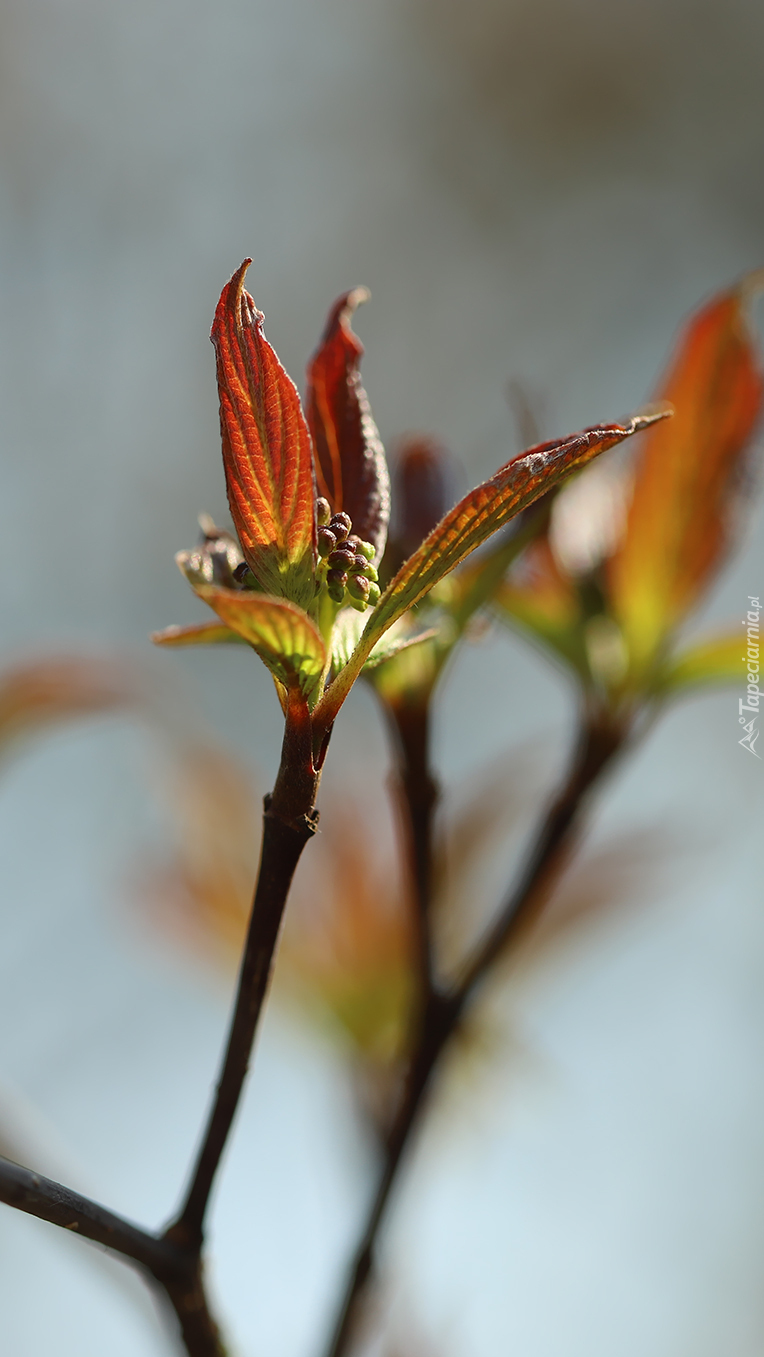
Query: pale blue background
[{"x": 531, "y": 190}]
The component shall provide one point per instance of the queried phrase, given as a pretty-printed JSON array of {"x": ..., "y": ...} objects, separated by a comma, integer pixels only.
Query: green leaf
[
  {"x": 281, "y": 633},
  {"x": 717, "y": 660},
  {"x": 202, "y": 634},
  {"x": 394, "y": 642},
  {"x": 562, "y": 633}
]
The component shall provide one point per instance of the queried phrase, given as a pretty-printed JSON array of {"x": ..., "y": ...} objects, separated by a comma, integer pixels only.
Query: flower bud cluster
[{"x": 344, "y": 561}]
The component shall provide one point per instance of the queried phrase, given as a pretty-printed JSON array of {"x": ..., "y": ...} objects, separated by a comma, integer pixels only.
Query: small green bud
[
  {"x": 365, "y": 548},
  {"x": 359, "y": 604},
  {"x": 373, "y": 595},
  {"x": 323, "y": 512},
  {"x": 371, "y": 573}
]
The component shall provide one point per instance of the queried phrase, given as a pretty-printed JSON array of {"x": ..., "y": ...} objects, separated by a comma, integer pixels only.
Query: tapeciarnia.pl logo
[{"x": 750, "y": 703}]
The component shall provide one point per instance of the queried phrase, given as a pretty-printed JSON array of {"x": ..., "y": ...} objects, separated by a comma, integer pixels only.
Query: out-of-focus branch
[{"x": 442, "y": 1010}]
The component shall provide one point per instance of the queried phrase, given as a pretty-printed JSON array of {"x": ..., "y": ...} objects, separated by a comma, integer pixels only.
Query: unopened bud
[
  {"x": 341, "y": 560},
  {"x": 373, "y": 595},
  {"x": 358, "y": 587},
  {"x": 337, "y": 577},
  {"x": 340, "y": 525},
  {"x": 323, "y": 512},
  {"x": 326, "y": 541},
  {"x": 335, "y": 585},
  {"x": 364, "y": 548}
]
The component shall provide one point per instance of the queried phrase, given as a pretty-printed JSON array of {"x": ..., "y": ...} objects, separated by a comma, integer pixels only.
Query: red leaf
[
  {"x": 266, "y": 449},
  {"x": 351, "y": 470},
  {"x": 482, "y": 512},
  {"x": 688, "y": 476}
]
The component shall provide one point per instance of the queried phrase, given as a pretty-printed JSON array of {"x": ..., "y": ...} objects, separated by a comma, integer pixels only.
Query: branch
[
  {"x": 178, "y": 1272},
  {"x": 418, "y": 795},
  {"x": 289, "y": 821},
  {"x": 596, "y": 746},
  {"x": 48, "y": 1200}
]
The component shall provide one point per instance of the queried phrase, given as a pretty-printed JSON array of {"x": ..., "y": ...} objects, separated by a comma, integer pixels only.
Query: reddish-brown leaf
[
  {"x": 266, "y": 449},
  {"x": 688, "y": 471},
  {"x": 351, "y": 470},
  {"x": 482, "y": 512}
]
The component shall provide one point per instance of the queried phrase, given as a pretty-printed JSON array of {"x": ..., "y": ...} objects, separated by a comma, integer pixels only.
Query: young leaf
[
  {"x": 717, "y": 660},
  {"x": 482, "y": 512},
  {"x": 394, "y": 642},
  {"x": 201, "y": 634},
  {"x": 282, "y": 634},
  {"x": 266, "y": 449},
  {"x": 539, "y": 599},
  {"x": 351, "y": 469},
  {"x": 687, "y": 473}
]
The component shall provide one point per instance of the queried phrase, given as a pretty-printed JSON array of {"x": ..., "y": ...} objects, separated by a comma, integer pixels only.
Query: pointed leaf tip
[
  {"x": 351, "y": 470},
  {"x": 266, "y": 448},
  {"x": 650, "y": 414}
]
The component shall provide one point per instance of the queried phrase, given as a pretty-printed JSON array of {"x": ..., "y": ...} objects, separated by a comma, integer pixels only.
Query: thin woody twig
[
  {"x": 418, "y": 795},
  {"x": 51, "y": 1201},
  {"x": 177, "y": 1271},
  {"x": 289, "y": 821},
  {"x": 282, "y": 847}
]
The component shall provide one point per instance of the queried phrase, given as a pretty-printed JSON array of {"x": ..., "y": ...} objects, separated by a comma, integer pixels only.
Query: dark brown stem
[
  {"x": 436, "y": 1027},
  {"x": 417, "y": 796},
  {"x": 177, "y": 1271},
  {"x": 598, "y": 743},
  {"x": 289, "y": 822},
  {"x": 48, "y": 1200}
]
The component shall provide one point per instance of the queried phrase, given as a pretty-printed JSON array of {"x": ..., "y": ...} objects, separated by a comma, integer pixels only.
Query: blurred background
[{"x": 535, "y": 193}]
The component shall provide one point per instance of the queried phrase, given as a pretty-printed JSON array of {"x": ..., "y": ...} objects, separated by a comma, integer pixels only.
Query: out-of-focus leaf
[
  {"x": 687, "y": 473},
  {"x": 283, "y": 635},
  {"x": 717, "y": 660},
  {"x": 266, "y": 449},
  {"x": 482, "y": 512},
  {"x": 422, "y": 486},
  {"x": 348, "y": 941},
  {"x": 394, "y": 641},
  {"x": 539, "y": 599},
  {"x": 201, "y": 634},
  {"x": 407, "y": 677},
  {"x": 41, "y": 693},
  {"x": 351, "y": 470},
  {"x": 201, "y": 893}
]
